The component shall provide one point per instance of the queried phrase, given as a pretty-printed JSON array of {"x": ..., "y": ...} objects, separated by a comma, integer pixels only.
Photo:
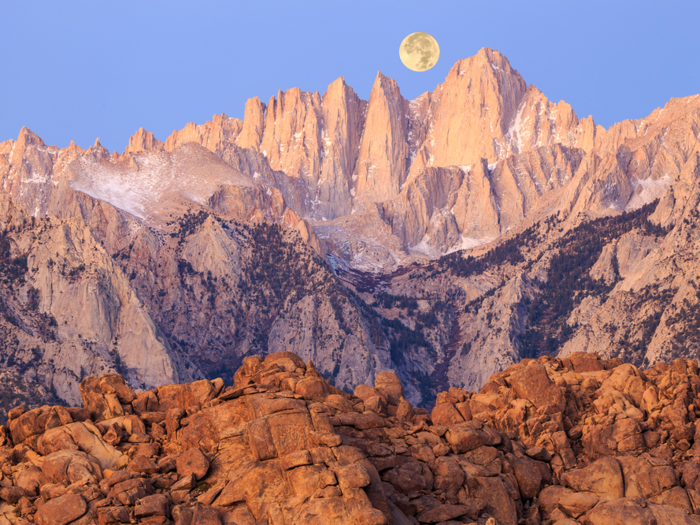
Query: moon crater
[{"x": 419, "y": 51}]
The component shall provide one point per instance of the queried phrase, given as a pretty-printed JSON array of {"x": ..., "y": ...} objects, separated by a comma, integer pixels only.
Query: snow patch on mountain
[{"x": 145, "y": 185}]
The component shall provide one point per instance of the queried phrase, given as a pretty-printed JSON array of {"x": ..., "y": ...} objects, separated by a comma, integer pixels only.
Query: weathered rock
[
  {"x": 602, "y": 478},
  {"x": 442, "y": 513},
  {"x": 389, "y": 384},
  {"x": 446, "y": 414},
  {"x": 494, "y": 492},
  {"x": 272, "y": 455},
  {"x": 71, "y": 466},
  {"x": 192, "y": 462},
  {"x": 619, "y": 512},
  {"x": 103, "y": 396},
  {"x": 644, "y": 479},
  {"x": 410, "y": 477},
  {"x": 404, "y": 411},
  {"x": 464, "y": 437},
  {"x": 352, "y": 477},
  {"x": 154, "y": 505},
  {"x": 61, "y": 510},
  {"x": 577, "y": 504},
  {"x": 79, "y": 436},
  {"x": 533, "y": 383},
  {"x": 528, "y": 475},
  {"x": 448, "y": 476},
  {"x": 30, "y": 480},
  {"x": 12, "y": 494},
  {"x": 206, "y": 516}
]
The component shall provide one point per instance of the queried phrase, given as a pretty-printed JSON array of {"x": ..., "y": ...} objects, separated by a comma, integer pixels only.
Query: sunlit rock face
[
  {"x": 276, "y": 441},
  {"x": 334, "y": 155},
  {"x": 318, "y": 222}
]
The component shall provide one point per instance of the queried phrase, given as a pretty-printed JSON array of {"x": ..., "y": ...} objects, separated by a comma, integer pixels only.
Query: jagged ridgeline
[{"x": 322, "y": 224}]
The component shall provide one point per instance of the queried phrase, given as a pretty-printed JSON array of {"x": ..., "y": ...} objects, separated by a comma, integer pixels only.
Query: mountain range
[{"x": 443, "y": 238}]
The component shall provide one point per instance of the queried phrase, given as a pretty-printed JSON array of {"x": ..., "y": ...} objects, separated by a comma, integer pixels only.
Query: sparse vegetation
[
  {"x": 508, "y": 252},
  {"x": 569, "y": 281}
]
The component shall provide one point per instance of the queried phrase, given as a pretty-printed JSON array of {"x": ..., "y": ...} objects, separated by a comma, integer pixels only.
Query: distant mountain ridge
[{"x": 320, "y": 224}]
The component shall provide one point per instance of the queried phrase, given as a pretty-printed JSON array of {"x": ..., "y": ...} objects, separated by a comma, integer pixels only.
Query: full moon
[{"x": 419, "y": 51}]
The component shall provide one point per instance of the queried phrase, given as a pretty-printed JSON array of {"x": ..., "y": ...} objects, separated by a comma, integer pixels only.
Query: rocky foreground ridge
[{"x": 547, "y": 441}]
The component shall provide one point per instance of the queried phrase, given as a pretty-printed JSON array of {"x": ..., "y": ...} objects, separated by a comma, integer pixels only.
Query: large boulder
[
  {"x": 644, "y": 479},
  {"x": 466, "y": 436},
  {"x": 71, "y": 466},
  {"x": 192, "y": 394},
  {"x": 412, "y": 476},
  {"x": 80, "y": 436},
  {"x": 30, "y": 480},
  {"x": 622, "y": 511},
  {"x": 446, "y": 414},
  {"x": 192, "y": 462},
  {"x": 533, "y": 383},
  {"x": 61, "y": 510},
  {"x": 493, "y": 491},
  {"x": 448, "y": 476},
  {"x": 602, "y": 478},
  {"x": 528, "y": 473},
  {"x": 37, "y": 421},
  {"x": 390, "y": 385},
  {"x": 105, "y": 396}
]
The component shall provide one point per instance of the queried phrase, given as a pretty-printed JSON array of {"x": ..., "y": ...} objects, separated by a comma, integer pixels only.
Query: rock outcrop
[{"x": 551, "y": 441}]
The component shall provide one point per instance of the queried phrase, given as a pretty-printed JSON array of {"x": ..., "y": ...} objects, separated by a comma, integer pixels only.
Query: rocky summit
[
  {"x": 579, "y": 440},
  {"x": 443, "y": 238}
]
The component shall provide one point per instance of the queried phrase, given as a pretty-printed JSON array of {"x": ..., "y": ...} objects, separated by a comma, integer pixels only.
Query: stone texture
[
  {"x": 61, "y": 510},
  {"x": 260, "y": 450},
  {"x": 192, "y": 462}
]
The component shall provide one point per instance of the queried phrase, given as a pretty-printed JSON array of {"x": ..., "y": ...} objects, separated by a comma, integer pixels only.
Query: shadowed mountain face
[{"x": 444, "y": 238}]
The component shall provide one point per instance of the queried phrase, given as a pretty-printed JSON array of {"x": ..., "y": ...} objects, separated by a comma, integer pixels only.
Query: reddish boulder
[
  {"x": 442, "y": 513},
  {"x": 533, "y": 383},
  {"x": 602, "y": 478},
  {"x": 446, "y": 414},
  {"x": 464, "y": 437},
  {"x": 390, "y": 385},
  {"x": 311, "y": 387},
  {"x": 192, "y": 462},
  {"x": 585, "y": 362},
  {"x": 30, "y": 479},
  {"x": 61, "y": 510},
  {"x": 12, "y": 494},
  {"x": 154, "y": 505}
]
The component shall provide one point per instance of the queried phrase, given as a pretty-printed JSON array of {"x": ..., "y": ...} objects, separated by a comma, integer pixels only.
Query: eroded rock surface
[{"x": 568, "y": 441}]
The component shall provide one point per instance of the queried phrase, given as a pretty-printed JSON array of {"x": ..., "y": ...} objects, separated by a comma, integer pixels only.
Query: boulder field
[{"x": 578, "y": 440}]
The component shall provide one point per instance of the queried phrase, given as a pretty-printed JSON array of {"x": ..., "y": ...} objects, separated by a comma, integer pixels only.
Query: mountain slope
[{"x": 333, "y": 227}]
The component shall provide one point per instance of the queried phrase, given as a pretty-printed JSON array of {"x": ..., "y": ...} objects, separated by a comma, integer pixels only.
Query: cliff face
[
  {"x": 173, "y": 304},
  {"x": 68, "y": 310},
  {"x": 333, "y": 155},
  {"x": 382, "y": 163},
  {"x": 328, "y": 225}
]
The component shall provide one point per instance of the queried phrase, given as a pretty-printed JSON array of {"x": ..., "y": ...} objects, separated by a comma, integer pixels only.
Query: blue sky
[{"x": 79, "y": 70}]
